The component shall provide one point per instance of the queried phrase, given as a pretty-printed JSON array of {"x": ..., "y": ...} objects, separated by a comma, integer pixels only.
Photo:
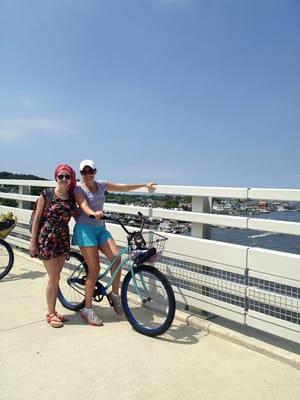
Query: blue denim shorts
[{"x": 85, "y": 235}]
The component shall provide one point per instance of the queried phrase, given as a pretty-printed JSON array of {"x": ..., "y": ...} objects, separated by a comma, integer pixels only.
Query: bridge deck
[{"x": 114, "y": 362}]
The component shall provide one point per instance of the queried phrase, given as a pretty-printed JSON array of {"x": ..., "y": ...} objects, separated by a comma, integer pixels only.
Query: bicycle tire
[
  {"x": 71, "y": 290},
  {"x": 154, "y": 314},
  {"x": 6, "y": 258}
]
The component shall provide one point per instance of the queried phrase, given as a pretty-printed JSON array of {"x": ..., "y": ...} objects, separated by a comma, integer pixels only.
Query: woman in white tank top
[{"x": 91, "y": 235}]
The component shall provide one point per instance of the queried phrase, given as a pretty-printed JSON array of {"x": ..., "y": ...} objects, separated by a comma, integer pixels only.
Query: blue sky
[{"x": 186, "y": 92}]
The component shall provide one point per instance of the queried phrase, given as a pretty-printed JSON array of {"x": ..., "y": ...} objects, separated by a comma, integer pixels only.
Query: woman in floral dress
[{"x": 50, "y": 239}]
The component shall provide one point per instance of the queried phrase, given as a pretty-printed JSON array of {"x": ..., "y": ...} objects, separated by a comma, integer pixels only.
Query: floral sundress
[{"x": 54, "y": 236}]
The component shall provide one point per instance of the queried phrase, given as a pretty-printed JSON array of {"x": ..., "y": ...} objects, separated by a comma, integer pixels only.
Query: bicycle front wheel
[
  {"x": 6, "y": 258},
  {"x": 71, "y": 289},
  {"x": 148, "y": 300}
]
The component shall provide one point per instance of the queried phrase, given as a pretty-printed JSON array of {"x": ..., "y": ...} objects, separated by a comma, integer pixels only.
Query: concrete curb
[{"x": 249, "y": 342}]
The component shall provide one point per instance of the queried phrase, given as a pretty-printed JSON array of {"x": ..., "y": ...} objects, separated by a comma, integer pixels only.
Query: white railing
[{"x": 252, "y": 286}]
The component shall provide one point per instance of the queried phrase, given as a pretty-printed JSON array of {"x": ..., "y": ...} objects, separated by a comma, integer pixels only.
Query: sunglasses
[
  {"x": 63, "y": 176},
  {"x": 88, "y": 172}
]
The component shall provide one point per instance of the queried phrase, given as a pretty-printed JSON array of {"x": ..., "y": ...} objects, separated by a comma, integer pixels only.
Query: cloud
[
  {"x": 15, "y": 128},
  {"x": 7, "y": 133}
]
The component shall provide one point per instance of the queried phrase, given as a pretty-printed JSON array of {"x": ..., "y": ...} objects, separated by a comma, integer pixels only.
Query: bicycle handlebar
[{"x": 106, "y": 218}]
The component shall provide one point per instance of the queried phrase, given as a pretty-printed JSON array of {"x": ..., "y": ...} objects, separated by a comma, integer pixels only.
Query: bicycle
[
  {"x": 6, "y": 252},
  {"x": 147, "y": 297}
]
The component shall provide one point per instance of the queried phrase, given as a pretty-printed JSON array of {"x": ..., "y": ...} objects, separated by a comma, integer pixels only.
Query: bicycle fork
[{"x": 144, "y": 299}]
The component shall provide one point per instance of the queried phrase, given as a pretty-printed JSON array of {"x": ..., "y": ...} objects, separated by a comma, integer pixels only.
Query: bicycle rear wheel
[
  {"x": 71, "y": 289},
  {"x": 6, "y": 258},
  {"x": 150, "y": 308}
]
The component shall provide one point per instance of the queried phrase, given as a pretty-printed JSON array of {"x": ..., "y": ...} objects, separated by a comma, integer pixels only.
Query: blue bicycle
[{"x": 147, "y": 297}]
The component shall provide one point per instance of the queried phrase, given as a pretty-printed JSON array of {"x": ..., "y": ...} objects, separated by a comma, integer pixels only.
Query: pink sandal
[
  {"x": 61, "y": 317},
  {"x": 54, "y": 320}
]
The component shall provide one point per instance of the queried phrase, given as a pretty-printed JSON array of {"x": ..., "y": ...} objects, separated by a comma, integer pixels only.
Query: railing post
[
  {"x": 201, "y": 204},
  {"x": 21, "y": 203}
]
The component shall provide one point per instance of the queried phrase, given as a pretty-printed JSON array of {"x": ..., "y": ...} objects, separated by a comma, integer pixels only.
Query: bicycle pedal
[{"x": 98, "y": 298}]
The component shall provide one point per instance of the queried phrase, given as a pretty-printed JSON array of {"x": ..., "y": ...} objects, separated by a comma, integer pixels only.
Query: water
[{"x": 267, "y": 240}]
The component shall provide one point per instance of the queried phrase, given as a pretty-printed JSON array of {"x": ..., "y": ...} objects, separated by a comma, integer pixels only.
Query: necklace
[{"x": 63, "y": 195}]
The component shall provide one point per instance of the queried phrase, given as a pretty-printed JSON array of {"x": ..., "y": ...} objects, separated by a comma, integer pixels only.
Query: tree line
[{"x": 166, "y": 201}]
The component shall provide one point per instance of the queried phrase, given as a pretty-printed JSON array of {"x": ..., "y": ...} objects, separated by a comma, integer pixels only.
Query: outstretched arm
[{"x": 125, "y": 187}]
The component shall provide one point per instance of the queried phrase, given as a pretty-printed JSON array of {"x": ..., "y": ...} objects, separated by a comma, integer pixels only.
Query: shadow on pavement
[
  {"x": 183, "y": 334},
  {"x": 29, "y": 274},
  {"x": 105, "y": 313},
  {"x": 257, "y": 334},
  {"x": 178, "y": 333}
]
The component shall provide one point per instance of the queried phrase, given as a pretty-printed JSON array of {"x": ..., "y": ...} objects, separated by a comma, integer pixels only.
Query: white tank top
[{"x": 95, "y": 201}]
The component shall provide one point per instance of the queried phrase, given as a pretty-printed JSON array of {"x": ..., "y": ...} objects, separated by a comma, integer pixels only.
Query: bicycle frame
[{"x": 126, "y": 261}]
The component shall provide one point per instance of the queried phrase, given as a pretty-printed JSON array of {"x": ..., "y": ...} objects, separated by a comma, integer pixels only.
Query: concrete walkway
[{"x": 114, "y": 362}]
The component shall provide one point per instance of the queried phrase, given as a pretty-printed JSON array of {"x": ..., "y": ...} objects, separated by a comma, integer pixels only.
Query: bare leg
[
  {"x": 53, "y": 267},
  {"x": 110, "y": 250},
  {"x": 91, "y": 257}
]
